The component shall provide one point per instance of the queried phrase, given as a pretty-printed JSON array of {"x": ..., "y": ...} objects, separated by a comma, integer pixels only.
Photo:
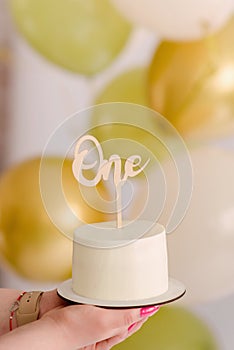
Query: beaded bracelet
[{"x": 13, "y": 308}]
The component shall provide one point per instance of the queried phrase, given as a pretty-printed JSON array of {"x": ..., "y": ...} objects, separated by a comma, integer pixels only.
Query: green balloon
[
  {"x": 172, "y": 328},
  {"x": 82, "y": 36},
  {"x": 131, "y": 86}
]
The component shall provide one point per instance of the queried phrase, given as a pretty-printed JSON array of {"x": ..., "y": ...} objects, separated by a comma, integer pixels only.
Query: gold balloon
[
  {"x": 29, "y": 241},
  {"x": 192, "y": 84}
]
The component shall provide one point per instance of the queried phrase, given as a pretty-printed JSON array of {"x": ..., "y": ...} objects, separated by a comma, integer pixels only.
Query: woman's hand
[
  {"x": 62, "y": 326},
  {"x": 100, "y": 328}
]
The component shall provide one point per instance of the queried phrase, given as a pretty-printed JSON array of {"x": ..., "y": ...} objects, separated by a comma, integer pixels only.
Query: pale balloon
[
  {"x": 177, "y": 20},
  {"x": 201, "y": 249}
]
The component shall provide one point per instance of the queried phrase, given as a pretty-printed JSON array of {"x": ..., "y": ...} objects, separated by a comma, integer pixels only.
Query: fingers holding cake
[{"x": 133, "y": 328}]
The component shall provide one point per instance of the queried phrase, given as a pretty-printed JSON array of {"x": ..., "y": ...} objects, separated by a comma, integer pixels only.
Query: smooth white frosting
[{"x": 124, "y": 271}]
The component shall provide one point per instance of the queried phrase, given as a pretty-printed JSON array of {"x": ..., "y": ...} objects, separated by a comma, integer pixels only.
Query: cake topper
[
  {"x": 104, "y": 169},
  {"x": 130, "y": 143}
]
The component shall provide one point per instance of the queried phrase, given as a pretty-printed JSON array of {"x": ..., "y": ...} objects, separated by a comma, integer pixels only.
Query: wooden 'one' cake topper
[{"x": 104, "y": 168}]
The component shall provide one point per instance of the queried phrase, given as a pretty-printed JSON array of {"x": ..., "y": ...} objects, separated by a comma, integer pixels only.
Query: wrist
[
  {"x": 49, "y": 301},
  {"x": 43, "y": 333}
]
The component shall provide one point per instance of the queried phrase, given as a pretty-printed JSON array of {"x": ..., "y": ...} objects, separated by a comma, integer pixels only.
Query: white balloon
[
  {"x": 201, "y": 249},
  {"x": 180, "y": 19}
]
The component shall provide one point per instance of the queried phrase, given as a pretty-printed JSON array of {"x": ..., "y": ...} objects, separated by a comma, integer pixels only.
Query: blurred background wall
[{"x": 4, "y": 73}]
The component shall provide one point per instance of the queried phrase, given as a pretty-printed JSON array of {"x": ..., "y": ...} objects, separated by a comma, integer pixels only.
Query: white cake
[{"x": 107, "y": 267}]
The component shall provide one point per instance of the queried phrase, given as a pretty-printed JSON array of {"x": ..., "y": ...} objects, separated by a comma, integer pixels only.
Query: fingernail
[
  {"x": 131, "y": 327},
  {"x": 149, "y": 311}
]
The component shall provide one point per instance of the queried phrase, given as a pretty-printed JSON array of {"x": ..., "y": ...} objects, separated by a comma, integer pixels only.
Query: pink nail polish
[
  {"x": 131, "y": 327},
  {"x": 149, "y": 311}
]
